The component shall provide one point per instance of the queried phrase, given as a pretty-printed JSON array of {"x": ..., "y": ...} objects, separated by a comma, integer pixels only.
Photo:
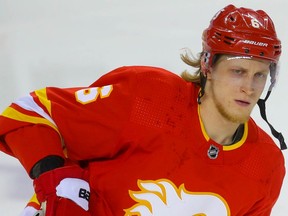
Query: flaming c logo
[{"x": 162, "y": 198}]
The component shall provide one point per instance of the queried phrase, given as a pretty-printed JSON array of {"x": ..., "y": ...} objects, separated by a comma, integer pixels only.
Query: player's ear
[{"x": 208, "y": 73}]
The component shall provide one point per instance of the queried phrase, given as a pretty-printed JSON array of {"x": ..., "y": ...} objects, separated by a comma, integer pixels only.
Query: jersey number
[
  {"x": 88, "y": 95},
  {"x": 255, "y": 23}
]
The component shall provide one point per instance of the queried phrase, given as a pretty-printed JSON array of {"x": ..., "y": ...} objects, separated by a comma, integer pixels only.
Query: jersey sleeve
[
  {"x": 51, "y": 121},
  {"x": 28, "y": 132},
  {"x": 87, "y": 122}
]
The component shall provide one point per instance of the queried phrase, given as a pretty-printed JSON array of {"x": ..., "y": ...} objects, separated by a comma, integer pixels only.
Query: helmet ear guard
[{"x": 205, "y": 62}]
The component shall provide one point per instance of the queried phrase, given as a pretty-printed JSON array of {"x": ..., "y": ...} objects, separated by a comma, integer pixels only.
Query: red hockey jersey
[{"x": 139, "y": 131}]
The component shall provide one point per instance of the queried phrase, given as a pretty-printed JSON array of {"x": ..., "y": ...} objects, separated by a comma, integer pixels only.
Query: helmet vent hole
[
  {"x": 232, "y": 19},
  {"x": 217, "y": 35},
  {"x": 228, "y": 40},
  {"x": 277, "y": 52},
  {"x": 246, "y": 50}
]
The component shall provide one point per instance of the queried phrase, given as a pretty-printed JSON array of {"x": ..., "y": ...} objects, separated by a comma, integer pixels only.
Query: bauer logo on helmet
[{"x": 256, "y": 43}]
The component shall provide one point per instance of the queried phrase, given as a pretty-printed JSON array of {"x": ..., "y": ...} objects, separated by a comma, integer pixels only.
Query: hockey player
[{"x": 143, "y": 141}]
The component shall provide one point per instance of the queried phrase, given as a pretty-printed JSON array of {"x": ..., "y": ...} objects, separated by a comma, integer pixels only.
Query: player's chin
[{"x": 240, "y": 116}]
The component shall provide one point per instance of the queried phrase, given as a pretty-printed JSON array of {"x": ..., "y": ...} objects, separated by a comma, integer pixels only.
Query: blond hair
[{"x": 194, "y": 62}]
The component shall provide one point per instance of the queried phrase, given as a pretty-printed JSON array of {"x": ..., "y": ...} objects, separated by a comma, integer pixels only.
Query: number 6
[
  {"x": 255, "y": 23},
  {"x": 85, "y": 96}
]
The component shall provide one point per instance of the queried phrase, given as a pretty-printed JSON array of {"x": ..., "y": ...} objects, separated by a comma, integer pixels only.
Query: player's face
[{"x": 236, "y": 84}]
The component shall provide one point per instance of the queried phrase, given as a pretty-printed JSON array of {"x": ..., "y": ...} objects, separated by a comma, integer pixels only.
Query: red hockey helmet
[{"x": 241, "y": 32}]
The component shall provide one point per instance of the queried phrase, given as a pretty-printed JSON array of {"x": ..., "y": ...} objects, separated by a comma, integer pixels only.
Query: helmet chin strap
[{"x": 276, "y": 134}]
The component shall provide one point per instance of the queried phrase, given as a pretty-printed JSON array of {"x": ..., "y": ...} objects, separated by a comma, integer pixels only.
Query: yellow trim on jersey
[
  {"x": 34, "y": 199},
  {"x": 240, "y": 142},
  {"x": 225, "y": 147},
  {"x": 16, "y": 115},
  {"x": 202, "y": 125},
  {"x": 42, "y": 95}
]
